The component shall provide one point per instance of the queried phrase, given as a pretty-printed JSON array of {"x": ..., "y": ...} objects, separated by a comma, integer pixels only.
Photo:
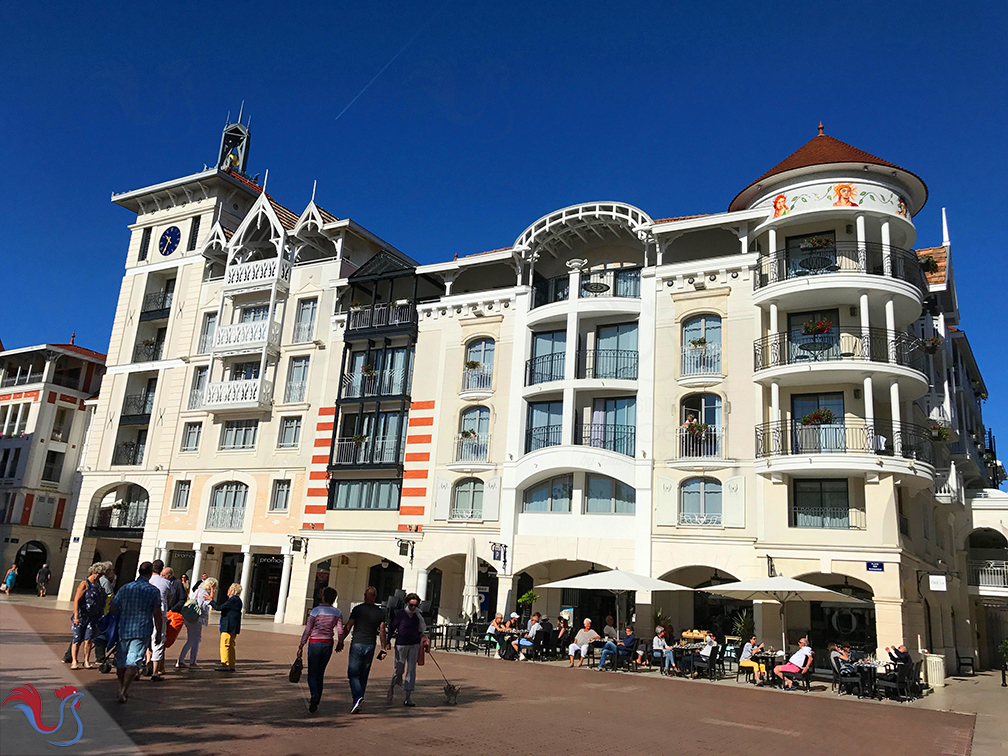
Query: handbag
[
  {"x": 295, "y": 670},
  {"x": 191, "y": 611}
]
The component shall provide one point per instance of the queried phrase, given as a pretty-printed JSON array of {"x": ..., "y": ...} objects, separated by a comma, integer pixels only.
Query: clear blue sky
[{"x": 491, "y": 117}]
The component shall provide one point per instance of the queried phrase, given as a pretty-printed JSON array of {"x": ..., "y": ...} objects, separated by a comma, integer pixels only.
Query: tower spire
[
  {"x": 820, "y": 128},
  {"x": 945, "y": 233},
  {"x": 241, "y": 111},
  {"x": 313, "y": 187}
]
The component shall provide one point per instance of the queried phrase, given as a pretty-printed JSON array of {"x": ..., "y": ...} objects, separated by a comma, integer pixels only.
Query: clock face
[{"x": 169, "y": 240}]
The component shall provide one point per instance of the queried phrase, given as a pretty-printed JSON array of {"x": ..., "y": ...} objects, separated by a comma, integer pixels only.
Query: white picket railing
[
  {"x": 381, "y": 450},
  {"x": 257, "y": 273},
  {"x": 478, "y": 379},
  {"x": 701, "y": 360},
  {"x": 253, "y": 333},
  {"x": 472, "y": 448},
  {"x": 694, "y": 443},
  {"x": 226, "y": 393},
  {"x": 988, "y": 573}
]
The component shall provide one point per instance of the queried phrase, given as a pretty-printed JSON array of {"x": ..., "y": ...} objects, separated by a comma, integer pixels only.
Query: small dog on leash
[{"x": 451, "y": 693}]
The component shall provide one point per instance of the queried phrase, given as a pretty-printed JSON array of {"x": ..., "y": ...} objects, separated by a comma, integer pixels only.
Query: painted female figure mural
[
  {"x": 843, "y": 195},
  {"x": 780, "y": 206},
  {"x": 901, "y": 207}
]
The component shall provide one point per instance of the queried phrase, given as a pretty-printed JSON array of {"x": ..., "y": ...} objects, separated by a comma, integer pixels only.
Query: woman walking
[
  {"x": 323, "y": 622},
  {"x": 89, "y": 606},
  {"x": 230, "y": 626},
  {"x": 202, "y": 595},
  {"x": 410, "y": 631},
  {"x": 9, "y": 579}
]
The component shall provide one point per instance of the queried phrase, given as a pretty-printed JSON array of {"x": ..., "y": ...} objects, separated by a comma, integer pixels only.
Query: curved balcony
[
  {"x": 616, "y": 438},
  {"x": 246, "y": 338},
  {"x": 847, "y": 444},
  {"x": 845, "y": 268},
  {"x": 545, "y": 368},
  {"x": 597, "y": 364},
  {"x": 836, "y": 356}
]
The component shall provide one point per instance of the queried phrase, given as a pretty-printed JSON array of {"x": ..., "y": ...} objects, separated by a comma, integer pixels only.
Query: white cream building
[{"x": 699, "y": 398}]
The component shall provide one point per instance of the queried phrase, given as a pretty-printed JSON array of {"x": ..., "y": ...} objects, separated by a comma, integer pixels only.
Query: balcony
[
  {"x": 259, "y": 274},
  {"x": 156, "y": 305},
  {"x": 472, "y": 448},
  {"x": 542, "y": 437},
  {"x": 988, "y": 573},
  {"x": 253, "y": 393},
  {"x": 376, "y": 383},
  {"x": 868, "y": 258},
  {"x": 814, "y": 352},
  {"x": 543, "y": 369},
  {"x": 359, "y": 451},
  {"x": 226, "y": 517},
  {"x": 701, "y": 364},
  {"x": 477, "y": 383},
  {"x": 827, "y": 518},
  {"x": 465, "y": 514},
  {"x": 849, "y": 436},
  {"x": 70, "y": 380},
  {"x": 382, "y": 316},
  {"x": 550, "y": 290},
  {"x": 700, "y": 441},
  {"x": 947, "y": 487},
  {"x": 128, "y": 453},
  {"x": 148, "y": 350},
  {"x": 616, "y": 438},
  {"x": 618, "y": 364},
  {"x": 295, "y": 392},
  {"x": 22, "y": 379},
  {"x": 137, "y": 408},
  {"x": 610, "y": 283},
  {"x": 245, "y": 338},
  {"x": 124, "y": 520}
]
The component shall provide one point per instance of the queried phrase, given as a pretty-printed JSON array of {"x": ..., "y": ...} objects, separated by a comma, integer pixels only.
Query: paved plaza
[{"x": 504, "y": 707}]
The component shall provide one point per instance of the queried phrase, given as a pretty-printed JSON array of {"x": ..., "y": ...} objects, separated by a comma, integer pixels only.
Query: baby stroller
[{"x": 109, "y": 625}]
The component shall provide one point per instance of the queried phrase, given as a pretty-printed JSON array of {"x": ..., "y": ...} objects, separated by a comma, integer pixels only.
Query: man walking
[
  {"x": 409, "y": 629},
  {"x": 138, "y": 605},
  {"x": 164, "y": 588},
  {"x": 367, "y": 621},
  {"x": 42, "y": 579}
]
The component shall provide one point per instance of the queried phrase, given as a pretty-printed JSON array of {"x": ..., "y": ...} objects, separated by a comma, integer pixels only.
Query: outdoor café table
[
  {"x": 868, "y": 671},
  {"x": 769, "y": 661}
]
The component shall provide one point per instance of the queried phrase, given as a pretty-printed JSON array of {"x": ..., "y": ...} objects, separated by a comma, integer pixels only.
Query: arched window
[
  {"x": 701, "y": 345},
  {"x": 609, "y": 496},
  {"x": 473, "y": 441},
  {"x": 700, "y": 502},
  {"x": 227, "y": 506},
  {"x": 700, "y": 429},
  {"x": 479, "y": 361},
  {"x": 467, "y": 500},
  {"x": 551, "y": 495}
]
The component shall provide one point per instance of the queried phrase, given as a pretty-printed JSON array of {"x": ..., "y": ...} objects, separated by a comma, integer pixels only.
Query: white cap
[{"x": 514, "y": 615}]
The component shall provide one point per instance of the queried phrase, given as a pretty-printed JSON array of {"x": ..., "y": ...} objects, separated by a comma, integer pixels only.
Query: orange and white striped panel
[
  {"x": 416, "y": 484},
  {"x": 317, "y": 495}
]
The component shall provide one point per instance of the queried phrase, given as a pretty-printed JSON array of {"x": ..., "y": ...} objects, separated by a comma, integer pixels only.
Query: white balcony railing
[
  {"x": 947, "y": 486},
  {"x": 472, "y": 448},
  {"x": 700, "y": 441},
  {"x": 256, "y": 274},
  {"x": 369, "y": 451},
  {"x": 225, "y": 517},
  {"x": 465, "y": 513},
  {"x": 295, "y": 392},
  {"x": 246, "y": 335},
  {"x": 237, "y": 394},
  {"x": 303, "y": 332},
  {"x": 21, "y": 379},
  {"x": 478, "y": 379},
  {"x": 701, "y": 360},
  {"x": 381, "y": 315},
  {"x": 378, "y": 383},
  {"x": 988, "y": 573}
]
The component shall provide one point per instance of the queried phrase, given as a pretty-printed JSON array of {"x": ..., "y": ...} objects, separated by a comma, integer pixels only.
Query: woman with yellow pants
[
  {"x": 746, "y": 660},
  {"x": 230, "y": 626}
]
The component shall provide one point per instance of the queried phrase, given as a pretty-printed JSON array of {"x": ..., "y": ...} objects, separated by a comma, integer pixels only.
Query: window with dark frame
[
  {"x": 191, "y": 433},
  {"x": 144, "y": 244},
  {"x": 239, "y": 434},
  {"x": 193, "y": 233},
  {"x": 290, "y": 432},
  {"x": 181, "y": 498},
  {"x": 280, "y": 500}
]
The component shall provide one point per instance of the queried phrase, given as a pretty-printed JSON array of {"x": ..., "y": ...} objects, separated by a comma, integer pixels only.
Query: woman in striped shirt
[{"x": 324, "y": 621}]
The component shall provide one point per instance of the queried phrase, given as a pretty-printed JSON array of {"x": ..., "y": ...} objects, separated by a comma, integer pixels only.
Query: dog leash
[{"x": 438, "y": 666}]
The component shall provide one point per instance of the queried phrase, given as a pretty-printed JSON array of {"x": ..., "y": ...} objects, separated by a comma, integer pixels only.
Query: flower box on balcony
[
  {"x": 367, "y": 370},
  {"x": 928, "y": 264},
  {"x": 358, "y": 439},
  {"x": 697, "y": 430},
  {"x": 467, "y": 434},
  {"x": 816, "y": 327},
  {"x": 698, "y": 343},
  {"x": 472, "y": 365},
  {"x": 820, "y": 416},
  {"x": 933, "y": 343},
  {"x": 940, "y": 433}
]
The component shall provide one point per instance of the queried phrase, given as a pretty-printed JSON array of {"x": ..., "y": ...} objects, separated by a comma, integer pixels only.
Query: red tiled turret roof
[
  {"x": 940, "y": 256},
  {"x": 288, "y": 219}
]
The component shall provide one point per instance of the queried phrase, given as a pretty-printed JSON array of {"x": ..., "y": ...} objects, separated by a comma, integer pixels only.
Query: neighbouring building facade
[
  {"x": 782, "y": 387},
  {"x": 44, "y": 419}
]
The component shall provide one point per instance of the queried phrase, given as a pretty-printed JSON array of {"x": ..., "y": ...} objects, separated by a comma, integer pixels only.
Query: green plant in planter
[
  {"x": 940, "y": 432},
  {"x": 697, "y": 430},
  {"x": 928, "y": 264},
  {"x": 359, "y": 439},
  {"x": 472, "y": 365},
  {"x": 468, "y": 433},
  {"x": 529, "y": 597},
  {"x": 367, "y": 370},
  {"x": 816, "y": 327},
  {"x": 1004, "y": 650},
  {"x": 744, "y": 624},
  {"x": 933, "y": 343},
  {"x": 698, "y": 343}
]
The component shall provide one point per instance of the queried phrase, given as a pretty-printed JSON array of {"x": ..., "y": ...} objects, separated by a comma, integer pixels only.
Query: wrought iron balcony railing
[
  {"x": 138, "y": 404},
  {"x": 148, "y": 351},
  {"x": 225, "y": 517},
  {"x": 847, "y": 436},
  {"x": 700, "y": 519},
  {"x": 465, "y": 513},
  {"x": 611, "y": 283},
  {"x": 617, "y": 438},
  {"x": 869, "y": 258},
  {"x": 125, "y": 516},
  {"x": 158, "y": 301},
  {"x": 545, "y": 368},
  {"x": 700, "y": 441},
  {"x": 549, "y": 290},
  {"x": 376, "y": 383},
  {"x": 608, "y": 363},
  {"x": 701, "y": 360},
  {"x": 128, "y": 453},
  {"x": 295, "y": 392},
  {"x": 873, "y": 345},
  {"x": 472, "y": 447},
  {"x": 381, "y": 316},
  {"x": 542, "y": 437},
  {"x": 477, "y": 379},
  {"x": 303, "y": 332},
  {"x": 828, "y": 518}
]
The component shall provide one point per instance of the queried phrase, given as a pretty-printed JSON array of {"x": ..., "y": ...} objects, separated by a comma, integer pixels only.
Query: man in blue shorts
[{"x": 138, "y": 605}]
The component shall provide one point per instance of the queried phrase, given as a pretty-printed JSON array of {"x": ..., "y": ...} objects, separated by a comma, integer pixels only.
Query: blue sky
[{"x": 492, "y": 116}]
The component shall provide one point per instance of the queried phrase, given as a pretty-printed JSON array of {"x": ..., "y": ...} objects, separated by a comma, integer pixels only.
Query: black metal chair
[
  {"x": 707, "y": 664},
  {"x": 965, "y": 661},
  {"x": 899, "y": 683},
  {"x": 844, "y": 681},
  {"x": 802, "y": 679},
  {"x": 749, "y": 672},
  {"x": 720, "y": 661}
]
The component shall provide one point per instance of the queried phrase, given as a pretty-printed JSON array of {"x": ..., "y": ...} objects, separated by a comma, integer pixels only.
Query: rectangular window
[
  {"x": 609, "y": 496},
  {"x": 43, "y": 511},
  {"x": 207, "y": 332},
  {"x": 3, "y": 419},
  {"x": 290, "y": 432},
  {"x": 821, "y": 504},
  {"x": 53, "y": 468},
  {"x": 61, "y": 425},
  {"x": 304, "y": 324},
  {"x": 22, "y": 425},
  {"x": 280, "y": 501},
  {"x": 553, "y": 495},
  {"x": 12, "y": 468},
  {"x": 245, "y": 371},
  {"x": 181, "y": 498},
  {"x": 239, "y": 434},
  {"x": 191, "y": 436},
  {"x": 144, "y": 244},
  {"x": 193, "y": 233},
  {"x": 254, "y": 313},
  {"x": 364, "y": 494},
  {"x": 198, "y": 387},
  {"x": 297, "y": 380}
]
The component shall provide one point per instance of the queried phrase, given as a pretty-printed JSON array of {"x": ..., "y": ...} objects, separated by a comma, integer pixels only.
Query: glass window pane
[
  {"x": 537, "y": 498},
  {"x": 561, "y": 494},
  {"x": 600, "y": 494},
  {"x": 691, "y": 497},
  {"x": 626, "y": 498}
]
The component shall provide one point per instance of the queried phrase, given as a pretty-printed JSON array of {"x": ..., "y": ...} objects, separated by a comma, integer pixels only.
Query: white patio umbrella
[
  {"x": 782, "y": 590},
  {"x": 618, "y": 583},
  {"x": 470, "y": 593}
]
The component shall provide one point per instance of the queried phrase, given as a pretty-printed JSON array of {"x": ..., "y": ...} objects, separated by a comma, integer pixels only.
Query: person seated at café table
[
  {"x": 620, "y": 647},
  {"x": 660, "y": 649},
  {"x": 900, "y": 657},
  {"x": 512, "y": 622},
  {"x": 710, "y": 645},
  {"x": 800, "y": 661},
  {"x": 562, "y": 631},
  {"x": 525, "y": 641},
  {"x": 609, "y": 631},
  {"x": 746, "y": 659},
  {"x": 581, "y": 641},
  {"x": 840, "y": 658},
  {"x": 495, "y": 632}
]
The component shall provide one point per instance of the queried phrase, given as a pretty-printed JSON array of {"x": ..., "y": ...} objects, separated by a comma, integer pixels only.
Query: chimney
[{"x": 73, "y": 336}]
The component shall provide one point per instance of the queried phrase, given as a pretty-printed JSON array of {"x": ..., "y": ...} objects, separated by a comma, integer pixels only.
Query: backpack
[
  {"x": 93, "y": 600},
  {"x": 508, "y": 653}
]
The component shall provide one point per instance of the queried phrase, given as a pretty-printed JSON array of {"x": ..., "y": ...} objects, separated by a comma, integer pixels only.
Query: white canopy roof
[
  {"x": 779, "y": 589},
  {"x": 616, "y": 581}
]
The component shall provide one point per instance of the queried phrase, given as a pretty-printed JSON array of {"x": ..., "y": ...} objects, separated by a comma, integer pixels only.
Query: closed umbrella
[
  {"x": 782, "y": 590},
  {"x": 470, "y": 593}
]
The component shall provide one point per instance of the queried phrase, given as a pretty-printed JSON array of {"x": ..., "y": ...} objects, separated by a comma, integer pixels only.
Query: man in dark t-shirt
[
  {"x": 367, "y": 621},
  {"x": 42, "y": 579}
]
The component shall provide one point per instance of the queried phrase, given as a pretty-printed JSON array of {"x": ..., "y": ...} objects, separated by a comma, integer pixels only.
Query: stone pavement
[{"x": 503, "y": 708}]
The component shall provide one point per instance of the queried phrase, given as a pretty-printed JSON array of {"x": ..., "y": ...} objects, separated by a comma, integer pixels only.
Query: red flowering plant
[
  {"x": 814, "y": 327},
  {"x": 367, "y": 370},
  {"x": 821, "y": 416},
  {"x": 819, "y": 242},
  {"x": 697, "y": 430}
]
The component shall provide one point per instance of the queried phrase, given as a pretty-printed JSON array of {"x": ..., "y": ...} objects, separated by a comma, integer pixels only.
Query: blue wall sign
[{"x": 876, "y": 566}]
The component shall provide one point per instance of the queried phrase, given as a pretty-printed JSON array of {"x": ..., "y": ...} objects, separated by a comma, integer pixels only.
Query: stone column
[
  {"x": 197, "y": 565},
  {"x": 285, "y": 578},
  {"x": 421, "y": 584},
  {"x": 246, "y": 575}
]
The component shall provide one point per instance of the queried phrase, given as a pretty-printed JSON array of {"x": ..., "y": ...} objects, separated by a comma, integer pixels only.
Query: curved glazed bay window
[
  {"x": 552, "y": 495},
  {"x": 364, "y": 494},
  {"x": 473, "y": 441},
  {"x": 549, "y": 351},
  {"x": 701, "y": 350},
  {"x": 478, "y": 369},
  {"x": 227, "y": 506},
  {"x": 548, "y": 290},
  {"x": 700, "y": 502},
  {"x": 544, "y": 425},
  {"x": 609, "y": 496},
  {"x": 467, "y": 500},
  {"x": 613, "y": 426}
]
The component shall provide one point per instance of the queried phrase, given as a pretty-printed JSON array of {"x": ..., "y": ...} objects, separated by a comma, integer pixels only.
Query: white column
[
  {"x": 197, "y": 564},
  {"x": 776, "y": 268},
  {"x": 865, "y": 333},
  {"x": 775, "y": 402},
  {"x": 890, "y": 324},
  {"x": 862, "y": 253},
  {"x": 284, "y": 588},
  {"x": 894, "y": 401},
  {"x": 421, "y": 584},
  {"x": 869, "y": 407},
  {"x": 773, "y": 318},
  {"x": 570, "y": 360},
  {"x": 246, "y": 575},
  {"x": 886, "y": 251}
]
